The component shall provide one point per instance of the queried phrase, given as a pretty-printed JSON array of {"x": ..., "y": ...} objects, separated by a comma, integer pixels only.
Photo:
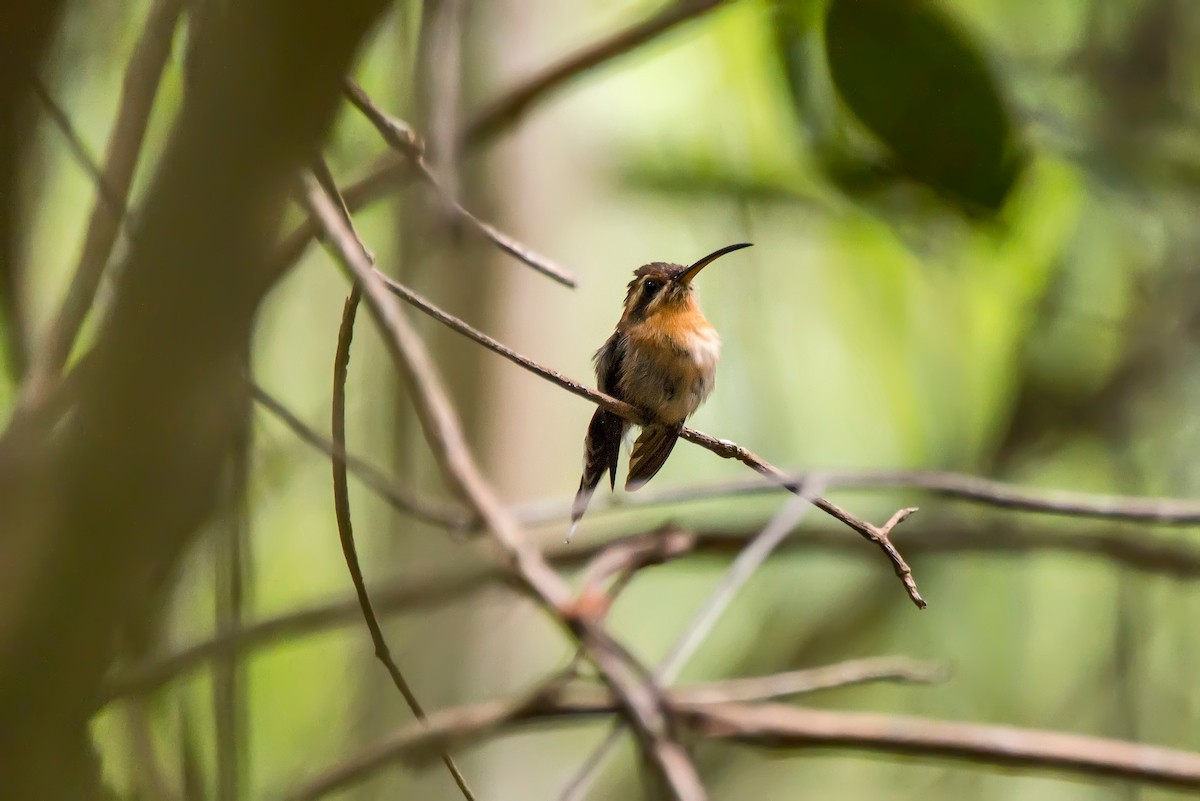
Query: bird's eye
[{"x": 653, "y": 286}]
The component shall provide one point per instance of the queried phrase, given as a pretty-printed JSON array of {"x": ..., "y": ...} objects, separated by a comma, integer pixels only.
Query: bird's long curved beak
[{"x": 687, "y": 275}]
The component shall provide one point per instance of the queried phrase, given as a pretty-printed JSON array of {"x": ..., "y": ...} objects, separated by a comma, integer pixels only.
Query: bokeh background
[{"x": 975, "y": 237}]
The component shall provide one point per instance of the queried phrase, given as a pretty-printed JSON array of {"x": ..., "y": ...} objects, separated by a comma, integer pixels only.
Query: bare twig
[
  {"x": 634, "y": 553},
  {"x": 400, "y": 137},
  {"x": 138, "y": 91},
  {"x": 879, "y": 535},
  {"x": 623, "y": 559},
  {"x": 508, "y": 110},
  {"x": 401, "y": 498},
  {"x": 556, "y": 698},
  {"x": 341, "y": 499},
  {"x": 957, "y": 486},
  {"x": 79, "y": 150},
  {"x": 743, "y": 567},
  {"x": 392, "y": 172},
  {"x": 639, "y": 701},
  {"x": 1150, "y": 554},
  {"x": 779, "y": 726},
  {"x": 810, "y": 680},
  {"x": 396, "y": 170}
]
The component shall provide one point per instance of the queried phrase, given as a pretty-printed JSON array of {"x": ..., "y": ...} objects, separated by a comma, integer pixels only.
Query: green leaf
[{"x": 917, "y": 82}]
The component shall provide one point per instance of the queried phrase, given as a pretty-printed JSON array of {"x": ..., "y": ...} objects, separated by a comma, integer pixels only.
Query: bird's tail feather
[
  {"x": 650, "y": 453},
  {"x": 601, "y": 447}
]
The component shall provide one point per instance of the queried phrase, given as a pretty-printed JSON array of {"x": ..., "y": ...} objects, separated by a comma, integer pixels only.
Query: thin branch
[
  {"x": 778, "y": 726},
  {"x": 631, "y": 554},
  {"x": 756, "y": 552},
  {"x": 959, "y": 486},
  {"x": 75, "y": 144},
  {"x": 439, "y": 421},
  {"x": 401, "y": 498},
  {"x": 879, "y": 535},
  {"x": 393, "y": 598},
  {"x": 138, "y": 92},
  {"x": 1149, "y": 554},
  {"x": 395, "y": 171},
  {"x": 557, "y": 697},
  {"x": 401, "y": 138},
  {"x": 850, "y": 673},
  {"x": 341, "y": 498},
  {"x": 956, "y": 486},
  {"x": 509, "y": 109}
]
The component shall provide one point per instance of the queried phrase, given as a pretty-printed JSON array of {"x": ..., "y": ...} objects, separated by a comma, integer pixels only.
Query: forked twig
[{"x": 403, "y": 139}]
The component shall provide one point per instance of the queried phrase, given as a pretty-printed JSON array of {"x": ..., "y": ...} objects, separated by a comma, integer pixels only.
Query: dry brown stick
[
  {"x": 341, "y": 491},
  {"x": 1150, "y": 554},
  {"x": 850, "y": 673},
  {"x": 556, "y": 698},
  {"x": 395, "y": 170},
  {"x": 508, "y": 110},
  {"x": 391, "y": 173},
  {"x": 399, "y": 136},
  {"x": 958, "y": 486},
  {"x": 749, "y": 559},
  {"x": 138, "y": 91},
  {"x": 446, "y": 515},
  {"x": 780, "y": 726},
  {"x": 879, "y": 535},
  {"x": 639, "y": 699},
  {"x": 341, "y": 496}
]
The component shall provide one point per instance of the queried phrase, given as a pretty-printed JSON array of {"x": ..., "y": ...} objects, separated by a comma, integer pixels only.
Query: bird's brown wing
[
  {"x": 650, "y": 453},
  {"x": 602, "y": 445}
]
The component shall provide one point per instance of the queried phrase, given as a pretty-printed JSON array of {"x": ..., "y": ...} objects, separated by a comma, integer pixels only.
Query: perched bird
[{"x": 662, "y": 358}]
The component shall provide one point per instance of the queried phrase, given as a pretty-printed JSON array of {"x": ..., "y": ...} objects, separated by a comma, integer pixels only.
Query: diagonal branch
[
  {"x": 879, "y": 535},
  {"x": 341, "y": 490},
  {"x": 745, "y": 565},
  {"x": 403, "y": 140},
  {"x": 399, "y": 497},
  {"x": 1148, "y": 554},
  {"x": 638, "y": 699},
  {"x": 138, "y": 92},
  {"x": 956, "y": 486},
  {"x": 396, "y": 170},
  {"x": 779, "y": 727},
  {"x": 509, "y": 109}
]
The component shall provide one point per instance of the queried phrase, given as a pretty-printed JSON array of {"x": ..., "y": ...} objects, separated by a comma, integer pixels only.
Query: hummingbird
[{"x": 662, "y": 358}]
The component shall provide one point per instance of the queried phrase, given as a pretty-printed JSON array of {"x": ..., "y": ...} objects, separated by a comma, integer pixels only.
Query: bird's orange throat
[{"x": 677, "y": 324}]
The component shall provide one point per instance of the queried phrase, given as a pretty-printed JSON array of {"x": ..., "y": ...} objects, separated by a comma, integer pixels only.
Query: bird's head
[{"x": 660, "y": 286}]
